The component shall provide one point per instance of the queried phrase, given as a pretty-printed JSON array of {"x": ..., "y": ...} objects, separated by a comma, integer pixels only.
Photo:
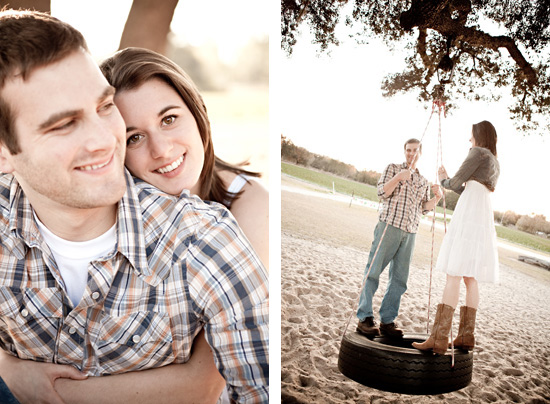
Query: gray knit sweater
[{"x": 480, "y": 165}]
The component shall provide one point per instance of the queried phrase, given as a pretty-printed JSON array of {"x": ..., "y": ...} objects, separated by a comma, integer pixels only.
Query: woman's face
[
  {"x": 164, "y": 146},
  {"x": 472, "y": 139}
]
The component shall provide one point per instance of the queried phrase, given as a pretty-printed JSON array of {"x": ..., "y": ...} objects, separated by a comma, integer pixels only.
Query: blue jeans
[
  {"x": 396, "y": 248},
  {"x": 5, "y": 394}
]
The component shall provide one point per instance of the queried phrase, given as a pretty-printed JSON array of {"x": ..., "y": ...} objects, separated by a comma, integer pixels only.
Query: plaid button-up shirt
[
  {"x": 179, "y": 265},
  {"x": 403, "y": 208}
]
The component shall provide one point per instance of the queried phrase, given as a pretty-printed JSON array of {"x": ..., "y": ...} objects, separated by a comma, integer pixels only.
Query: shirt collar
[
  {"x": 22, "y": 229},
  {"x": 131, "y": 236},
  {"x": 23, "y": 232}
]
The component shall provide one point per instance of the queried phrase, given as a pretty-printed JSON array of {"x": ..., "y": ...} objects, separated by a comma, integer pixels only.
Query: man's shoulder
[
  {"x": 186, "y": 211},
  {"x": 394, "y": 167}
]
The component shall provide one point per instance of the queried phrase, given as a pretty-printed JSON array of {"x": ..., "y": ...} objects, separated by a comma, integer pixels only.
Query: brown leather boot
[
  {"x": 465, "y": 338},
  {"x": 368, "y": 327},
  {"x": 439, "y": 339}
]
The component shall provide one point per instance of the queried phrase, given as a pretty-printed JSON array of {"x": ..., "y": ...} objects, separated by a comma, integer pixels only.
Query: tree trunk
[
  {"x": 148, "y": 24},
  {"x": 38, "y": 5}
]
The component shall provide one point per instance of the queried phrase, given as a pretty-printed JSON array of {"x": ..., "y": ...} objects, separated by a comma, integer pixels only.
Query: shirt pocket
[
  {"x": 29, "y": 320},
  {"x": 136, "y": 341}
]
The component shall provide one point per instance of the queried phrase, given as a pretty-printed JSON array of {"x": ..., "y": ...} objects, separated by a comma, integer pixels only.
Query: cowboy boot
[
  {"x": 439, "y": 338},
  {"x": 465, "y": 338}
]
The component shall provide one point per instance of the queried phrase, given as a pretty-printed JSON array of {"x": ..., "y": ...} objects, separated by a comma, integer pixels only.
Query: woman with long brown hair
[
  {"x": 468, "y": 251},
  {"x": 169, "y": 141},
  {"x": 169, "y": 145}
]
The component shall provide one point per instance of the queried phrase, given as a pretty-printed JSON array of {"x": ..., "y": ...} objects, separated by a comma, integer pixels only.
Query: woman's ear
[{"x": 5, "y": 160}]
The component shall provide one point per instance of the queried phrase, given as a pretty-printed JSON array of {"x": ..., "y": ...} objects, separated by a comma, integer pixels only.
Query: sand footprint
[
  {"x": 512, "y": 372},
  {"x": 489, "y": 372}
]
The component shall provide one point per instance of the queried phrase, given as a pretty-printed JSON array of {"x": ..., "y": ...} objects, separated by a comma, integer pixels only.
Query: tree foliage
[
  {"x": 298, "y": 155},
  {"x": 446, "y": 42},
  {"x": 451, "y": 199}
]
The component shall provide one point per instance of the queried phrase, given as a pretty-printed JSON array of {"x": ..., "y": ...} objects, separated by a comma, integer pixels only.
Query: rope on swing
[{"x": 440, "y": 104}]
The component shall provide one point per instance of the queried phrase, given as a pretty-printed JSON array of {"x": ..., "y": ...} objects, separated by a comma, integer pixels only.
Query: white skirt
[{"x": 470, "y": 246}]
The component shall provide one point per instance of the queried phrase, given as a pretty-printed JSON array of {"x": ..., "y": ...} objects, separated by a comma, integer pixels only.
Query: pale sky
[
  {"x": 228, "y": 24},
  {"x": 333, "y": 105}
]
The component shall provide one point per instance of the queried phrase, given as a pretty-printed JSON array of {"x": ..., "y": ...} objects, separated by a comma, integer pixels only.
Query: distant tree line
[
  {"x": 534, "y": 224},
  {"x": 298, "y": 155}
]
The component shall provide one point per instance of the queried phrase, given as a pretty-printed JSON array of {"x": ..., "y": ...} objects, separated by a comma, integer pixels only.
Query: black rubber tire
[{"x": 393, "y": 365}]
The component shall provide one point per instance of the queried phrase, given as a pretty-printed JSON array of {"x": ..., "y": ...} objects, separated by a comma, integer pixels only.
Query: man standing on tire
[{"x": 405, "y": 195}]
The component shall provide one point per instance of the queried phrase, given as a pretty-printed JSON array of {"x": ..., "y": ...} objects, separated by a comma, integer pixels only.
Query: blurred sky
[
  {"x": 333, "y": 106},
  {"x": 226, "y": 23}
]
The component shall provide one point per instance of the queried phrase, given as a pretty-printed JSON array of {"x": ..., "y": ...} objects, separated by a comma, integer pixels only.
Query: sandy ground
[{"x": 324, "y": 249}]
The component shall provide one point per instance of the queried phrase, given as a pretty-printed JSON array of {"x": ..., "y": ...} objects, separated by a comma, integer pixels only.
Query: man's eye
[
  {"x": 107, "y": 106},
  {"x": 64, "y": 126}
]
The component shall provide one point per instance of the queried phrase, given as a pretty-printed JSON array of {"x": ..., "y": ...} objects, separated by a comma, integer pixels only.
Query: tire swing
[{"x": 393, "y": 365}]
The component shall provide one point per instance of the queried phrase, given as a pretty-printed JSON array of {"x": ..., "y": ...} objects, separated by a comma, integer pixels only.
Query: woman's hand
[
  {"x": 33, "y": 382},
  {"x": 442, "y": 173}
]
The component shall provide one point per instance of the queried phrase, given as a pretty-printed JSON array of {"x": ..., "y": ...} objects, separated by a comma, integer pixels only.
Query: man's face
[
  {"x": 72, "y": 136},
  {"x": 412, "y": 153}
]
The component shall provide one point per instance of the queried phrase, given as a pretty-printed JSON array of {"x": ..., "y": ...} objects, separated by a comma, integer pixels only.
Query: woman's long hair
[
  {"x": 485, "y": 135},
  {"x": 132, "y": 67}
]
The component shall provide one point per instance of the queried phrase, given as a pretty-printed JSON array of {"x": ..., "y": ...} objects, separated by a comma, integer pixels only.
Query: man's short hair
[
  {"x": 29, "y": 40},
  {"x": 412, "y": 140}
]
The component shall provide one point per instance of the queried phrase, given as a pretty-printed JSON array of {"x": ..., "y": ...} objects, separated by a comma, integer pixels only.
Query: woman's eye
[
  {"x": 133, "y": 139},
  {"x": 169, "y": 120}
]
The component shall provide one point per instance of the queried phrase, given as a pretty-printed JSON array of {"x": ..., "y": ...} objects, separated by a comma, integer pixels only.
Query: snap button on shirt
[
  {"x": 95, "y": 295},
  {"x": 136, "y": 339}
]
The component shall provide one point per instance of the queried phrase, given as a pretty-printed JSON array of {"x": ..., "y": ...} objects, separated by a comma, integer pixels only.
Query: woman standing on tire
[{"x": 469, "y": 249}]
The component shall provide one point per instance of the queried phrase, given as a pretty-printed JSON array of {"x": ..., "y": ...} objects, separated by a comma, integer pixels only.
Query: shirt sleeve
[
  {"x": 229, "y": 286},
  {"x": 389, "y": 172},
  {"x": 464, "y": 173}
]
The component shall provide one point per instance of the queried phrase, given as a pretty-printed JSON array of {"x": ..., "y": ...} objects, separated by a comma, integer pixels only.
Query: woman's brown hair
[
  {"x": 485, "y": 135},
  {"x": 131, "y": 67}
]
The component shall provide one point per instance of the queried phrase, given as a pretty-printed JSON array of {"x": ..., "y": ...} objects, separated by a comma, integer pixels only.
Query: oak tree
[{"x": 477, "y": 49}]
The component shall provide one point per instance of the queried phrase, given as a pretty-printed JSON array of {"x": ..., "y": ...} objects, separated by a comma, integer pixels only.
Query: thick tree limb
[{"x": 436, "y": 15}]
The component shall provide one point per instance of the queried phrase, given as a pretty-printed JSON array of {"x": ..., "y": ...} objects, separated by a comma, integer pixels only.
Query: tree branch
[
  {"x": 421, "y": 48},
  {"x": 480, "y": 38},
  {"x": 436, "y": 15},
  {"x": 302, "y": 11}
]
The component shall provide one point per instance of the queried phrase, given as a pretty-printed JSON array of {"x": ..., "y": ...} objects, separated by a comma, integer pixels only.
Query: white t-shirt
[{"x": 73, "y": 257}]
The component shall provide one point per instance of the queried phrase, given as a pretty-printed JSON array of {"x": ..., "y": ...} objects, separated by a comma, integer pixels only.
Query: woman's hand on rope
[{"x": 442, "y": 173}]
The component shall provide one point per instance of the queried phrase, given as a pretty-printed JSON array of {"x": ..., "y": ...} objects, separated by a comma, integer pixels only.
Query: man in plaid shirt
[
  {"x": 406, "y": 196},
  {"x": 100, "y": 272}
]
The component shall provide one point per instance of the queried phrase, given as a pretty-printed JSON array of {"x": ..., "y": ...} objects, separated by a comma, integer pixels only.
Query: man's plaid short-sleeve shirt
[
  {"x": 403, "y": 208},
  {"x": 179, "y": 265}
]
